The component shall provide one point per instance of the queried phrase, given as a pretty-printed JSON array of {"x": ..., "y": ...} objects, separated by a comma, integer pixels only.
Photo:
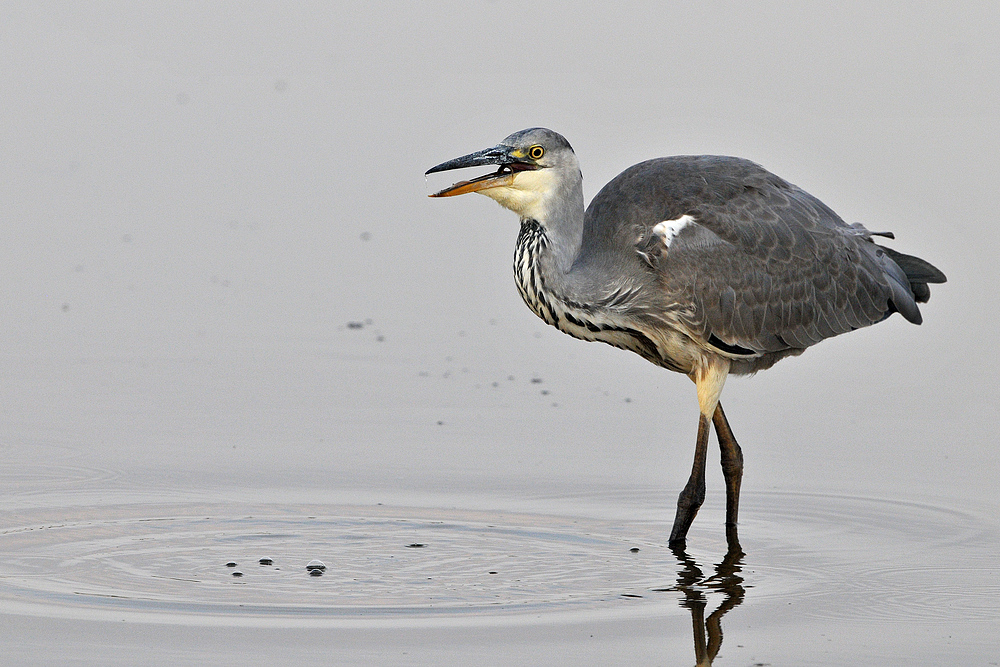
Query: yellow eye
[{"x": 536, "y": 152}]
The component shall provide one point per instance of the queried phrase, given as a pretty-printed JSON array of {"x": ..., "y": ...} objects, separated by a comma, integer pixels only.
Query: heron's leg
[
  {"x": 693, "y": 494},
  {"x": 732, "y": 465}
]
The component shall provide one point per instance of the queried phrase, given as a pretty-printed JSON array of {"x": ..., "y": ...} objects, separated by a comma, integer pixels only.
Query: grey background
[{"x": 196, "y": 199}]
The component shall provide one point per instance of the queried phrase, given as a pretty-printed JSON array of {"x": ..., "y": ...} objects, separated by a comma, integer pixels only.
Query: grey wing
[{"x": 770, "y": 269}]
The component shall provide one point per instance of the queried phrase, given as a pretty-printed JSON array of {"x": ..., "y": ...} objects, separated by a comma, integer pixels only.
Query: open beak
[{"x": 498, "y": 155}]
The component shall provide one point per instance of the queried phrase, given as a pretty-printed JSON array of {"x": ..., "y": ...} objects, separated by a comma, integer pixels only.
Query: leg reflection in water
[{"x": 693, "y": 583}]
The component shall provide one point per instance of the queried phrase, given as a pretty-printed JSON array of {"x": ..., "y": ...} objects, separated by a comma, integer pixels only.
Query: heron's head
[{"x": 536, "y": 167}]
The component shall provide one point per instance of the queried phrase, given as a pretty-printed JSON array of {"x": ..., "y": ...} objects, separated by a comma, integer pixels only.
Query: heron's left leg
[{"x": 693, "y": 495}]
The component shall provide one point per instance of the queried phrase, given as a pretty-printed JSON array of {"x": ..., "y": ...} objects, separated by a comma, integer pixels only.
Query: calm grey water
[{"x": 236, "y": 329}]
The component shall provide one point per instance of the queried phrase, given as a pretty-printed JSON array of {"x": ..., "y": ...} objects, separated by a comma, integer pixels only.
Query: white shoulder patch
[{"x": 669, "y": 229}]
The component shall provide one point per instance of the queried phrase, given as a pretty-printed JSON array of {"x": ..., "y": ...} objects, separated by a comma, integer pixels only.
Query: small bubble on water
[
  {"x": 231, "y": 564},
  {"x": 315, "y": 573},
  {"x": 237, "y": 573},
  {"x": 266, "y": 561},
  {"x": 634, "y": 550},
  {"x": 316, "y": 566},
  {"x": 415, "y": 545}
]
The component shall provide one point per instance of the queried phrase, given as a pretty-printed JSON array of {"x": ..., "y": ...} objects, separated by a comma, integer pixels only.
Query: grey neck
[{"x": 563, "y": 225}]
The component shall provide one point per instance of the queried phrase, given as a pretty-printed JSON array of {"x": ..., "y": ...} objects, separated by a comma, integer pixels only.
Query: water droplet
[
  {"x": 634, "y": 550},
  {"x": 266, "y": 561},
  {"x": 231, "y": 564},
  {"x": 237, "y": 573},
  {"x": 314, "y": 565},
  {"x": 315, "y": 573}
]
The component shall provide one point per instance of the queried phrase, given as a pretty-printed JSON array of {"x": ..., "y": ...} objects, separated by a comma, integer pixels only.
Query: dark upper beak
[{"x": 499, "y": 155}]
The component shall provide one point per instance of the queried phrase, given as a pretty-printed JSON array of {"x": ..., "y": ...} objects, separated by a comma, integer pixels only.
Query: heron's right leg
[
  {"x": 732, "y": 469},
  {"x": 693, "y": 494}
]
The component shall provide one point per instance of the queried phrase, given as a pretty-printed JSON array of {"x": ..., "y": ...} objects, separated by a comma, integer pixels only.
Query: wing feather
[{"x": 767, "y": 267}]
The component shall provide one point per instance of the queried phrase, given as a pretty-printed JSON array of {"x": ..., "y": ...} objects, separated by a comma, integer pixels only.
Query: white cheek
[
  {"x": 669, "y": 229},
  {"x": 527, "y": 195}
]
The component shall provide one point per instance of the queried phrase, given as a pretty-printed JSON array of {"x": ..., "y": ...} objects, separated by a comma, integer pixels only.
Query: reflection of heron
[
  {"x": 693, "y": 583},
  {"x": 704, "y": 265}
]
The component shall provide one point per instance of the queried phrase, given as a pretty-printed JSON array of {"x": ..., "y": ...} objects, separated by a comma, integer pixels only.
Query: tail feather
[{"x": 918, "y": 272}]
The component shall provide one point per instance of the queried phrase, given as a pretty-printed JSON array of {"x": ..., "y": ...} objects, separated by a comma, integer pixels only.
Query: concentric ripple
[
  {"x": 381, "y": 561},
  {"x": 834, "y": 557},
  {"x": 884, "y": 560}
]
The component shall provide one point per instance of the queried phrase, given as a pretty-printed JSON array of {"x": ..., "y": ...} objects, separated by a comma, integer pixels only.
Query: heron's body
[{"x": 705, "y": 265}]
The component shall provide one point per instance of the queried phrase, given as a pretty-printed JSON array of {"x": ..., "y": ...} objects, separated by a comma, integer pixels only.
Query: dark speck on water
[
  {"x": 415, "y": 545},
  {"x": 355, "y": 325},
  {"x": 536, "y": 380},
  {"x": 315, "y": 573}
]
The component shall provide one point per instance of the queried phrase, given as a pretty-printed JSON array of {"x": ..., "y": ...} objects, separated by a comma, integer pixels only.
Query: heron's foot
[
  {"x": 733, "y": 542},
  {"x": 688, "y": 503}
]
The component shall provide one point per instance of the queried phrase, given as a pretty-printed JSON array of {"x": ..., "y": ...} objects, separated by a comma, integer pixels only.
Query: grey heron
[{"x": 704, "y": 265}]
